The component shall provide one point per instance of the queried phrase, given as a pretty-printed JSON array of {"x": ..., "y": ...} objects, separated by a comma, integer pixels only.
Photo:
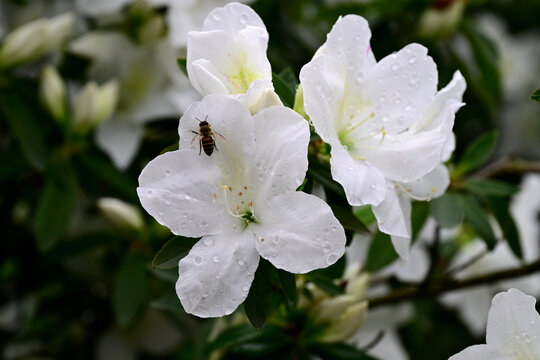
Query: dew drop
[
  {"x": 168, "y": 202},
  {"x": 373, "y": 185},
  {"x": 218, "y": 277},
  {"x": 332, "y": 258},
  {"x": 326, "y": 231},
  {"x": 395, "y": 67},
  {"x": 243, "y": 19},
  {"x": 412, "y": 59},
  {"x": 208, "y": 242},
  {"x": 167, "y": 172},
  {"x": 215, "y": 259},
  {"x": 150, "y": 192},
  {"x": 327, "y": 247},
  {"x": 216, "y": 16},
  {"x": 198, "y": 260},
  {"x": 240, "y": 262}
]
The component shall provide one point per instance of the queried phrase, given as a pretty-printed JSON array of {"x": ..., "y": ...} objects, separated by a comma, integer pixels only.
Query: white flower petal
[
  {"x": 448, "y": 147},
  {"x": 349, "y": 41},
  {"x": 514, "y": 325},
  {"x": 323, "y": 81},
  {"x": 363, "y": 183},
  {"x": 400, "y": 86},
  {"x": 394, "y": 218},
  {"x": 407, "y": 156},
  {"x": 232, "y": 18},
  {"x": 298, "y": 233},
  {"x": 215, "y": 277},
  {"x": 120, "y": 140},
  {"x": 479, "y": 352},
  {"x": 177, "y": 188},
  {"x": 280, "y": 160},
  {"x": 430, "y": 186},
  {"x": 231, "y": 124},
  {"x": 259, "y": 95}
]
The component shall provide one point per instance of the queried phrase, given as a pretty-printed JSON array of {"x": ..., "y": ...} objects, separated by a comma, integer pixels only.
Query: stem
[
  {"x": 507, "y": 164},
  {"x": 416, "y": 291}
]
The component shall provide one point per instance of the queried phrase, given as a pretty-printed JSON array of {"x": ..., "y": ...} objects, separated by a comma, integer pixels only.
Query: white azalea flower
[
  {"x": 387, "y": 124},
  {"x": 513, "y": 330},
  {"x": 241, "y": 200},
  {"x": 228, "y": 56},
  {"x": 151, "y": 87}
]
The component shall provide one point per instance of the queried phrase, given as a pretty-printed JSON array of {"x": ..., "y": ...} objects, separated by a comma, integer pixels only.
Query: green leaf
[
  {"x": 477, "y": 153},
  {"x": 338, "y": 351},
  {"x": 235, "y": 336},
  {"x": 348, "y": 220},
  {"x": 322, "y": 175},
  {"x": 381, "y": 252},
  {"x": 446, "y": 210},
  {"x": 476, "y": 216},
  {"x": 501, "y": 210},
  {"x": 182, "y": 65},
  {"x": 257, "y": 303},
  {"x": 487, "y": 187},
  {"x": 419, "y": 215},
  {"x": 25, "y": 126},
  {"x": 285, "y": 87},
  {"x": 129, "y": 290},
  {"x": 56, "y": 205},
  {"x": 365, "y": 214},
  {"x": 172, "y": 252},
  {"x": 536, "y": 95},
  {"x": 288, "y": 283}
]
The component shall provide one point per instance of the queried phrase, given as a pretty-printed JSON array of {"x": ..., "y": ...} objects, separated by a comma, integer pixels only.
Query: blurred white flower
[
  {"x": 473, "y": 304},
  {"x": 150, "y": 87},
  {"x": 228, "y": 56},
  {"x": 52, "y": 93},
  {"x": 241, "y": 200},
  {"x": 387, "y": 124},
  {"x": 94, "y": 104},
  {"x": 513, "y": 330},
  {"x": 121, "y": 213},
  {"x": 35, "y": 39}
]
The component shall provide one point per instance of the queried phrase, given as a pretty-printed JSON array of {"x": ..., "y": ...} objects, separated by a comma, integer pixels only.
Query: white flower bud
[
  {"x": 93, "y": 105},
  {"x": 121, "y": 214},
  {"x": 34, "y": 39},
  {"x": 52, "y": 92},
  {"x": 436, "y": 23},
  {"x": 347, "y": 324}
]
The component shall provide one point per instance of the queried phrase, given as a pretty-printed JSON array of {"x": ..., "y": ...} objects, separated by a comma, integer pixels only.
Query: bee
[{"x": 205, "y": 135}]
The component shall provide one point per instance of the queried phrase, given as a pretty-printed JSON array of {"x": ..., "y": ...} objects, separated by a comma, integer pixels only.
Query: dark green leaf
[
  {"x": 182, "y": 65},
  {"x": 348, "y": 220},
  {"x": 56, "y": 205},
  {"x": 25, "y": 126},
  {"x": 477, "y": 153},
  {"x": 500, "y": 207},
  {"x": 536, "y": 95},
  {"x": 129, "y": 290},
  {"x": 447, "y": 210},
  {"x": 419, "y": 215},
  {"x": 234, "y": 336},
  {"x": 322, "y": 175},
  {"x": 339, "y": 351},
  {"x": 288, "y": 283},
  {"x": 477, "y": 217},
  {"x": 284, "y": 89},
  {"x": 487, "y": 187},
  {"x": 172, "y": 252},
  {"x": 381, "y": 252},
  {"x": 257, "y": 303}
]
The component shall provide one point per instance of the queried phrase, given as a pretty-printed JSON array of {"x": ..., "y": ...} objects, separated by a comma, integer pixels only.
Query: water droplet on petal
[
  {"x": 395, "y": 67},
  {"x": 240, "y": 262},
  {"x": 208, "y": 242},
  {"x": 198, "y": 260},
  {"x": 215, "y": 259},
  {"x": 167, "y": 172},
  {"x": 327, "y": 247},
  {"x": 243, "y": 19},
  {"x": 412, "y": 59},
  {"x": 149, "y": 192},
  {"x": 216, "y": 16},
  {"x": 332, "y": 258}
]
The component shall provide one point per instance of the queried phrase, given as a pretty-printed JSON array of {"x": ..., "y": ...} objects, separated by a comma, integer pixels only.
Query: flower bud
[
  {"x": 93, "y": 105},
  {"x": 34, "y": 39},
  {"x": 52, "y": 92},
  {"x": 299, "y": 102},
  {"x": 442, "y": 21},
  {"x": 347, "y": 324},
  {"x": 121, "y": 214}
]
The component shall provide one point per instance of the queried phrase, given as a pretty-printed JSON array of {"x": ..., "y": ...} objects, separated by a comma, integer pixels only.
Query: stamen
[
  {"x": 369, "y": 136},
  {"x": 418, "y": 198},
  {"x": 360, "y": 123},
  {"x": 237, "y": 215}
]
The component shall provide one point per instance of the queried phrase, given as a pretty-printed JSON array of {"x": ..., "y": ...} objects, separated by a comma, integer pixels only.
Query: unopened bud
[
  {"x": 440, "y": 22},
  {"x": 32, "y": 40},
  {"x": 121, "y": 214},
  {"x": 347, "y": 324},
  {"x": 299, "y": 102},
  {"x": 93, "y": 105},
  {"x": 52, "y": 92},
  {"x": 265, "y": 98}
]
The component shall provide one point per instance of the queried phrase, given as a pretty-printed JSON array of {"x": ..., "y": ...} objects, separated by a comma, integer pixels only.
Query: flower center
[{"x": 238, "y": 204}]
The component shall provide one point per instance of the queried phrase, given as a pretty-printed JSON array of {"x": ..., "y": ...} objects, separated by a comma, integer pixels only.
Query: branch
[
  {"x": 507, "y": 164},
  {"x": 436, "y": 288}
]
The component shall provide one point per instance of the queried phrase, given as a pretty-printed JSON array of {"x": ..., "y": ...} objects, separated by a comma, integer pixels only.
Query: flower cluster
[{"x": 388, "y": 128}]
